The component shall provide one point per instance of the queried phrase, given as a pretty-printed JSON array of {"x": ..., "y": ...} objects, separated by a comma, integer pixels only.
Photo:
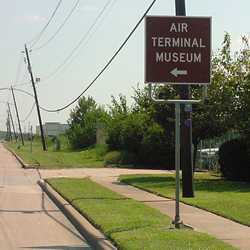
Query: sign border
[{"x": 145, "y": 48}]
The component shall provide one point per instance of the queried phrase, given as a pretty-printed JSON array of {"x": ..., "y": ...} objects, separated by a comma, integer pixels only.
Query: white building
[{"x": 52, "y": 128}]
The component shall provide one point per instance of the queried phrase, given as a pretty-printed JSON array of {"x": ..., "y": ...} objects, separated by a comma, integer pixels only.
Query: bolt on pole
[
  {"x": 17, "y": 114},
  {"x": 36, "y": 100}
]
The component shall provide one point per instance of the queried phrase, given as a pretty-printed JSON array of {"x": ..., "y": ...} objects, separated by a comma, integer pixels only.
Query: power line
[
  {"x": 106, "y": 66},
  {"x": 84, "y": 37},
  {"x": 23, "y": 91},
  {"x": 18, "y": 69},
  {"x": 29, "y": 113},
  {"x": 60, "y": 27},
  {"x": 77, "y": 46},
  {"x": 5, "y": 88},
  {"x": 22, "y": 83},
  {"x": 37, "y": 38}
]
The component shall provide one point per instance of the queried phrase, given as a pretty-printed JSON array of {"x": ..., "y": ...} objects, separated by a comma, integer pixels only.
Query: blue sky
[{"x": 21, "y": 21}]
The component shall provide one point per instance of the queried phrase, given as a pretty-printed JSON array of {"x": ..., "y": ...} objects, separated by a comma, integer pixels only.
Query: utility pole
[
  {"x": 12, "y": 122},
  {"x": 17, "y": 114},
  {"x": 36, "y": 100},
  {"x": 7, "y": 130},
  {"x": 8, "y": 127},
  {"x": 186, "y": 127}
]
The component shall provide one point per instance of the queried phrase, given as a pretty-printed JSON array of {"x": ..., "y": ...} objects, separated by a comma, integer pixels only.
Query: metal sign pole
[{"x": 177, "y": 220}]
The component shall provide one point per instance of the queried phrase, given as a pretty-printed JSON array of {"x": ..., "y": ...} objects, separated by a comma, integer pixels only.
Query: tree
[
  {"x": 83, "y": 122},
  {"x": 135, "y": 131},
  {"x": 223, "y": 109}
]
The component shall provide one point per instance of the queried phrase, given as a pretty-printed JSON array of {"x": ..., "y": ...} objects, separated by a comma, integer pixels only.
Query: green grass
[
  {"x": 212, "y": 193},
  {"x": 64, "y": 158},
  {"x": 128, "y": 223}
]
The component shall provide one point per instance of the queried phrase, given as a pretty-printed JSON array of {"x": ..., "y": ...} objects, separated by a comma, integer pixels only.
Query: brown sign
[{"x": 178, "y": 50}]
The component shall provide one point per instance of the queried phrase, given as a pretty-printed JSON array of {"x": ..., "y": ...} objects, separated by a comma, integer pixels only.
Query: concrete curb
[
  {"x": 94, "y": 237},
  {"x": 20, "y": 160}
]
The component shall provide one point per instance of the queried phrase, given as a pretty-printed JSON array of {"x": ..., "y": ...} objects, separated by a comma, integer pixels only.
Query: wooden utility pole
[
  {"x": 12, "y": 122},
  {"x": 9, "y": 135},
  {"x": 17, "y": 115},
  {"x": 36, "y": 100},
  {"x": 186, "y": 127}
]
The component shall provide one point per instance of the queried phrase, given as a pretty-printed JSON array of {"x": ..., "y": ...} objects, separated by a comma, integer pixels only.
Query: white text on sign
[{"x": 178, "y": 42}]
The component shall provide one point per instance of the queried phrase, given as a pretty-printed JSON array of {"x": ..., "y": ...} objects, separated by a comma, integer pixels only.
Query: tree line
[{"x": 144, "y": 130}]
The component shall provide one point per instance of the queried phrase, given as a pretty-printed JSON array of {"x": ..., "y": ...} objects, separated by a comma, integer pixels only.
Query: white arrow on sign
[{"x": 176, "y": 72}]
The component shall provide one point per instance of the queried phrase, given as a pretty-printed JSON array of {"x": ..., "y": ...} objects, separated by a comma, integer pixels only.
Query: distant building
[{"x": 52, "y": 128}]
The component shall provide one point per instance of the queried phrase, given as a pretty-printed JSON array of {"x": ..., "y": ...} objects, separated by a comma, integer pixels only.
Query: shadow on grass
[{"x": 208, "y": 185}]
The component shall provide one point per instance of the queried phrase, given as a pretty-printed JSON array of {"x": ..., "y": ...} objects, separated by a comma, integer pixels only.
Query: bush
[
  {"x": 141, "y": 141},
  {"x": 119, "y": 157},
  {"x": 101, "y": 150},
  {"x": 234, "y": 160},
  {"x": 156, "y": 148},
  {"x": 112, "y": 157}
]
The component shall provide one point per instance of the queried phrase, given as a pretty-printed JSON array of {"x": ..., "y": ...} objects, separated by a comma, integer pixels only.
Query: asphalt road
[{"x": 28, "y": 219}]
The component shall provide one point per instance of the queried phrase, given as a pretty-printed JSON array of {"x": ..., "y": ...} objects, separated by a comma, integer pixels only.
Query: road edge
[
  {"x": 19, "y": 159},
  {"x": 94, "y": 237}
]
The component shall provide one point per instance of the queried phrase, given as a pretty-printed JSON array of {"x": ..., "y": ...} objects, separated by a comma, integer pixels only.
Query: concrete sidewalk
[
  {"x": 230, "y": 232},
  {"x": 28, "y": 218}
]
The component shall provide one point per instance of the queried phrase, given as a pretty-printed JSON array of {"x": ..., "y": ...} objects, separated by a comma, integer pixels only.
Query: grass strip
[
  {"x": 212, "y": 193},
  {"x": 129, "y": 223},
  {"x": 64, "y": 158}
]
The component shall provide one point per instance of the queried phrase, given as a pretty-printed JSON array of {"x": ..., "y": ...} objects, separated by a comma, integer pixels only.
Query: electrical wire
[
  {"x": 18, "y": 69},
  {"x": 22, "y": 84},
  {"x": 59, "y": 28},
  {"x": 76, "y": 47},
  {"x": 84, "y": 37},
  {"x": 84, "y": 44},
  {"x": 106, "y": 66},
  {"x": 3, "y": 102},
  {"x": 38, "y": 37},
  {"x": 6, "y": 88},
  {"x": 24, "y": 91},
  {"x": 29, "y": 114}
]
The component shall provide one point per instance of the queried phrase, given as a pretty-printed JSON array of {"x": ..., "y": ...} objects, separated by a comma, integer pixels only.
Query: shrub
[
  {"x": 119, "y": 157},
  {"x": 132, "y": 131},
  {"x": 141, "y": 141},
  {"x": 234, "y": 160},
  {"x": 112, "y": 157},
  {"x": 101, "y": 150},
  {"x": 156, "y": 148},
  {"x": 114, "y": 133}
]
